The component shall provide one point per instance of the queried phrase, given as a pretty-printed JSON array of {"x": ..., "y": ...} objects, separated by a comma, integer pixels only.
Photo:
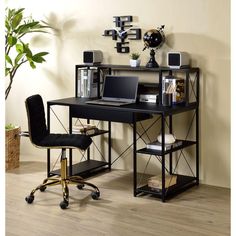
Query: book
[
  {"x": 83, "y": 127},
  {"x": 155, "y": 182},
  {"x": 158, "y": 146},
  {"x": 86, "y": 129},
  {"x": 90, "y": 131}
]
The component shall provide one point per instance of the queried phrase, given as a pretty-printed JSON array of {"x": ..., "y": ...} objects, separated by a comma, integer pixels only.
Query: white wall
[{"x": 201, "y": 28}]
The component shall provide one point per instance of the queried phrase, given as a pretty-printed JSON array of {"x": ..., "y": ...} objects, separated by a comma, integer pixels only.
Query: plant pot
[
  {"x": 12, "y": 148},
  {"x": 134, "y": 63}
]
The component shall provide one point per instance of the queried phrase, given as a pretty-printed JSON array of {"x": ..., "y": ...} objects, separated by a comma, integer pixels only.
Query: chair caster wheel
[
  {"x": 42, "y": 188},
  {"x": 29, "y": 199},
  {"x": 80, "y": 186},
  {"x": 64, "y": 204},
  {"x": 95, "y": 195}
]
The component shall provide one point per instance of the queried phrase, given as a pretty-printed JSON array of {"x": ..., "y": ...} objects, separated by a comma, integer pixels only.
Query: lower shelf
[
  {"x": 186, "y": 143},
  {"x": 85, "y": 168},
  {"x": 183, "y": 182}
]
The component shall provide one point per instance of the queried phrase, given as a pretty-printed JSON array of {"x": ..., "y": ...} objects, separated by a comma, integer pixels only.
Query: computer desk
[{"x": 131, "y": 114}]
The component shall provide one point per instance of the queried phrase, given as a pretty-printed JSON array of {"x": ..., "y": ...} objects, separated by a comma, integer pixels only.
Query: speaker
[
  {"x": 177, "y": 60},
  {"x": 92, "y": 57}
]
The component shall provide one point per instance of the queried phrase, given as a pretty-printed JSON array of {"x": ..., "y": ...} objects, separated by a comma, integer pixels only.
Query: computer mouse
[{"x": 169, "y": 138}]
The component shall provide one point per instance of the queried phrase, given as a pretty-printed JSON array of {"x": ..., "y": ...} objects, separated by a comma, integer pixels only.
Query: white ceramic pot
[{"x": 134, "y": 63}]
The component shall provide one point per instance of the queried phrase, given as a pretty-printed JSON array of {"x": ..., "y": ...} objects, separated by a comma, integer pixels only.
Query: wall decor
[
  {"x": 153, "y": 39},
  {"x": 123, "y": 31}
]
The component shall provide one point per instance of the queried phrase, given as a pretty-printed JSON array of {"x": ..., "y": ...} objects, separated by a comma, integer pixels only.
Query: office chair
[{"x": 40, "y": 137}]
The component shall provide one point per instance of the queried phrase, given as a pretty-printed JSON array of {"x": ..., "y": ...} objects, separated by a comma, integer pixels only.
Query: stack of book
[
  {"x": 155, "y": 182},
  {"x": 87, "y": 129},
  {"x": 158, "y": 146}
]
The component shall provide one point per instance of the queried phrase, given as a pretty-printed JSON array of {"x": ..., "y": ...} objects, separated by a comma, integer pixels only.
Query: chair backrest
[{"x": 36, "y": 118}]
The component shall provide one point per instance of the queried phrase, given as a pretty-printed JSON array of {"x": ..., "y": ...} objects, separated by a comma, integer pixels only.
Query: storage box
[{"x": 12, "y": 148}]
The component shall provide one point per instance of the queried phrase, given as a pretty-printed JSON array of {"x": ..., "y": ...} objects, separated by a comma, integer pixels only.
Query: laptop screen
[{"x": 120, "y": 88}]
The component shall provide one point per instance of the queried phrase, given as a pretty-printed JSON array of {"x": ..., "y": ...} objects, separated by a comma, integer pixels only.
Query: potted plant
[
  {"x": 134, "y": 60},
  {"x": 17, "y": 53},
  {"x": 12, "y": 146}
]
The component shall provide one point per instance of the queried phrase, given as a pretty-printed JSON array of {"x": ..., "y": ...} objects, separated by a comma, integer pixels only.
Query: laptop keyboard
[{"x": 108, "y": 103}]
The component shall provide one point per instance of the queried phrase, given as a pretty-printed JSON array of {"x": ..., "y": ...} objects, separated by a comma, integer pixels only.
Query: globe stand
[{"x": 152, "y": 62}]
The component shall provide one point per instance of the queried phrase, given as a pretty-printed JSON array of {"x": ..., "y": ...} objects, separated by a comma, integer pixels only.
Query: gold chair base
[{"x": 64, "y": 181}]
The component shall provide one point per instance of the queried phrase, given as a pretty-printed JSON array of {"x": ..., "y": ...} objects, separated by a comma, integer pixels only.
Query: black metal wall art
[{"x": 123, "y": 31}]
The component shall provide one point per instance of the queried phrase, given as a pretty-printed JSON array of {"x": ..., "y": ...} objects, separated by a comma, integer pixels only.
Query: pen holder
[{"x": 167, "y": 99}]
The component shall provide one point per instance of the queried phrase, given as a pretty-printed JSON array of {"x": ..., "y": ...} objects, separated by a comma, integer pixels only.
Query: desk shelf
[
  {"x": 85, "y": 168},
  {"x": 183, "y": 182},
  {"x": 149, "y": 151},
  {"x": 140, "y": 68}
]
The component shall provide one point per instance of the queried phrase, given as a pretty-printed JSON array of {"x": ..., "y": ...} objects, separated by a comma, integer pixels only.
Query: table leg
[{"x": 134, "y": 156}]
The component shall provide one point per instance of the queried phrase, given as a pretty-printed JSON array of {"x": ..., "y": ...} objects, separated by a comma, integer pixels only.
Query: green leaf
[
  {"x": 7, "y": 25},
  {"x": 20, "y": 10},
  {"x": 18, "y": 57},
  {"x": 19, "y": 48},
  {"x": 16, "y": 20},
  {"x": 27, "y": 51},
  {"x": 34, "y": 24},
  {"x": 21, "y": 29},
  {"x": 37, "y": 31},
  {"x": 7, "y": 71},
  {"x": 26, "y": 28},
  {"x": 10, "y": 13},
  {"x": 8, "y": 59},
  {"x": 32, "y": 64},
  {"x": 11, "y": 40},
  {"x": 41, "y": 54},
  {"x": 39, "y": 57}
]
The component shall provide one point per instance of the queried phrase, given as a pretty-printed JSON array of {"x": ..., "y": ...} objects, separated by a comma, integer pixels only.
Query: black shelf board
[
  {"x": 140, "y": 68},
  {"x": 85, "y": 168},
  {"x": 186, "y": 143},
  {"x": 183, "y": 182}
]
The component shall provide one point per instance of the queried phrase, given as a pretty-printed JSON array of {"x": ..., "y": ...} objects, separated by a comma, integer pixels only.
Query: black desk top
[{"x": 148, "y": 108}]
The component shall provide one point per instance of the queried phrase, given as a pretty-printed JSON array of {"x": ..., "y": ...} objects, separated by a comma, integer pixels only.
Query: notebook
[{"x": 118, "y": 91}]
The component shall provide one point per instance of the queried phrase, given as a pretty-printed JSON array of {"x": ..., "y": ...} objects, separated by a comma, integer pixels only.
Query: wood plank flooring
[{"x": 200, "y": 211}]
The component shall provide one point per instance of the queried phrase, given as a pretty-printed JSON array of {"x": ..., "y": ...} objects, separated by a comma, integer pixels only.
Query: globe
[{"x": 154, "y": 39}]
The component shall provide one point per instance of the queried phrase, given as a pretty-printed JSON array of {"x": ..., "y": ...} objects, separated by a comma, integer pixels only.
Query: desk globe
[{"x": 153, "y": 39}]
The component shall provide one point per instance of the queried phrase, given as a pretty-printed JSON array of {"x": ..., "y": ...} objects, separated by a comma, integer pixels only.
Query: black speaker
[{"x": 177, "y": 60}]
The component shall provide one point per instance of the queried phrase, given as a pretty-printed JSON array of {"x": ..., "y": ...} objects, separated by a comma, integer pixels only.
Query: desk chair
[{"x": 40, "y": 137}]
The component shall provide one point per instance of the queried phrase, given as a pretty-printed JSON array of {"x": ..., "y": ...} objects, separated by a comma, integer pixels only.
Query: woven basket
[{"x": 12, "y": 148}]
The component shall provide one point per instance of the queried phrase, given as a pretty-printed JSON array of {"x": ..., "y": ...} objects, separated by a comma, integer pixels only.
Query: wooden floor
[{"x": 200, "y": 211}]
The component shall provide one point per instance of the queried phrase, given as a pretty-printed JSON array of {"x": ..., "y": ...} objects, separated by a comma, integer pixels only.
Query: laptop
[{"x": 118, "y": 91}]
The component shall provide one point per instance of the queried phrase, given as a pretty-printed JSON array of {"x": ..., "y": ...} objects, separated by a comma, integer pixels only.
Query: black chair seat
[{"x": 66, "y": 140}]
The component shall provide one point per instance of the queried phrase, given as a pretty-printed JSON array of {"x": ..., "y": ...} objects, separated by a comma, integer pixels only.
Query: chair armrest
[{"x": 24, "y": 134}]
